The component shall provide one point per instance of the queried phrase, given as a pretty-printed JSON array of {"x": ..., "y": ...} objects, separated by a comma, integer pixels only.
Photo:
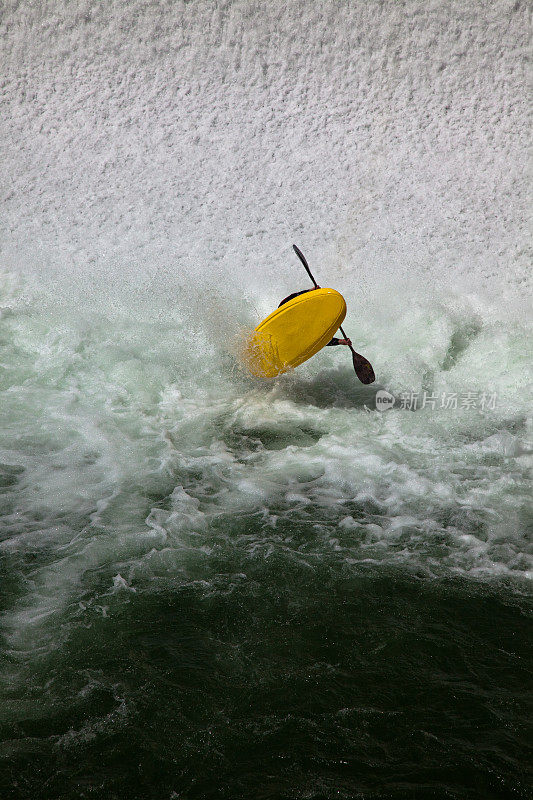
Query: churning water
[{"x": 218, "y": 587}]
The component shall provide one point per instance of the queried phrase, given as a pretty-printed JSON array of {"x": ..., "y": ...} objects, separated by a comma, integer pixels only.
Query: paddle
[{"x": 363, "y": 368}]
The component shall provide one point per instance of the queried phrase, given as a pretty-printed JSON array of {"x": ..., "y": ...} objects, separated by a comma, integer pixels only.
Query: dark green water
[
  {"x": 270, "y": 664},
  {"x": 287, "y": 677}
]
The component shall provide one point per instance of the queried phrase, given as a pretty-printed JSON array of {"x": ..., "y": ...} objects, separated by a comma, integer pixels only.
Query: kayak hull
[{"x": 295, "y": 332}]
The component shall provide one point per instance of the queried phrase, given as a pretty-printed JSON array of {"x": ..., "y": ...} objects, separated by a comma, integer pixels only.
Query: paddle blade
[
  {"x": 304, "y": 262},
  {"x": 363, "y": 368}
]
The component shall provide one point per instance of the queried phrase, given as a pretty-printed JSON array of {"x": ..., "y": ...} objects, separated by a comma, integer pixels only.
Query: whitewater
[{"x": 216, "y": 586}]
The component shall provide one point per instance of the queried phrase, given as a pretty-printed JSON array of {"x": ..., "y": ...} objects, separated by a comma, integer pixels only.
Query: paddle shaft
[
  {"x": 345, "y": 337},
  {"x": 306, "y": 265},
  {"x": 362, "y": 367}
]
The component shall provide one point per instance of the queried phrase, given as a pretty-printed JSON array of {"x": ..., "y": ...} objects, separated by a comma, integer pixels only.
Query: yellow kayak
[{"x": 294, "y": 332}]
